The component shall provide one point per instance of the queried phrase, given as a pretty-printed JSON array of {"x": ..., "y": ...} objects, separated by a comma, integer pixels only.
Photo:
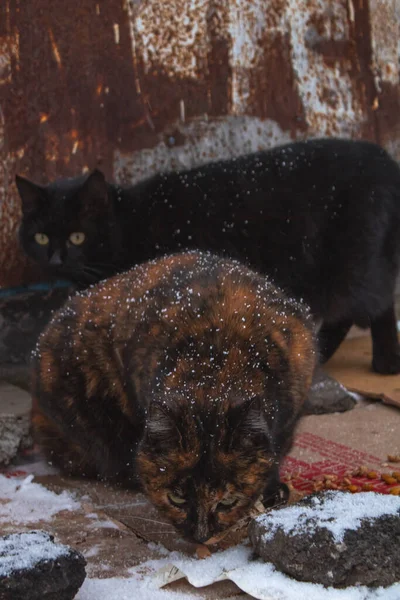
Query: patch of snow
[
  {"x": 201, "y": 573},
  {"x": 93, "y": 551},
  {"x": 22, "y": 501},
  {"x": 25, "y": 550},
  {"x": 339, "y": 512},
  {"x": 261, "y": 580},
  {"x": 159, "y": 548},
  {"x": 127, "y": 589},
  {"x": 256, "y": 578},
  {"x": 39, "y": 467},
  {"x": 355, "y": 395},
  {"x": 103, "y": 524}
]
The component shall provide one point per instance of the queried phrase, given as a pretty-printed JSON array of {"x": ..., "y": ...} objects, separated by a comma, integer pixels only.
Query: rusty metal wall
[{"x": 134, "y": 86}]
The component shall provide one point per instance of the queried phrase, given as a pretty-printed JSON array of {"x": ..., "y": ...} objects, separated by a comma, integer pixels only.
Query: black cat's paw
[{"x": 387, "y": 364}]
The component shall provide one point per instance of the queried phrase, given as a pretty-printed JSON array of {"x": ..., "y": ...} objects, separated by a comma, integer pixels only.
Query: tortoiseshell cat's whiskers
[{"x": 185, "y": 377}]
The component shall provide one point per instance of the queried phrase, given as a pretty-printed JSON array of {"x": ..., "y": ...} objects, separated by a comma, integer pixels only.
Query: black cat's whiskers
[
  {"x": 92, "y": 273},
  {"x": 99, "y": 270}
]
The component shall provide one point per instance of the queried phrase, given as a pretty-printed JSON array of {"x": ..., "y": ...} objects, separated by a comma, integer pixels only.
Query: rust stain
[
  {"x": 361, "y": 71},
  {"x": 130, "y": 76},
  {"x": 54, "y": 47},
  {"x": 219, "y": 70},
  {"x": 273, "y": 89}
]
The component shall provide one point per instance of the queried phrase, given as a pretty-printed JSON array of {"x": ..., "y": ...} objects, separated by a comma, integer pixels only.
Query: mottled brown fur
[{"x": 184, "y": 376}]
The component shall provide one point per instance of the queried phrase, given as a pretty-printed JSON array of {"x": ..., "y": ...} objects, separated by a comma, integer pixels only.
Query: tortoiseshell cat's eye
[
  {"x": 42, "y": 239},
  {"x": 227, "y": 503},
  {"x": 176, "y": 500},
  {"x": 77, "y": 238}
]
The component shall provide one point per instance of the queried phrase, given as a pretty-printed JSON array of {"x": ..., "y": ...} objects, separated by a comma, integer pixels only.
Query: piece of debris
[
  {"x": 333, "y": 538},
  {"x": 15, "y": 421},
  {"x": 33, "y": 567},
  {"x": 394, "y": 458},
  {"x": 202, "y": 552}
]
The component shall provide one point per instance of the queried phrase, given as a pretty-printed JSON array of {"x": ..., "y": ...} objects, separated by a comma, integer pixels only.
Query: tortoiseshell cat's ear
[
  {"x": 248, "y": 423},
  {"x": 94, "y": 192},
  {"x": 30, "y": 193},
  {"x": 162, "y": 430}
]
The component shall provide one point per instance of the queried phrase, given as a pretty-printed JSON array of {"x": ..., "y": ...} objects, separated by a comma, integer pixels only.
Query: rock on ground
[
  {"x": 33, "y": 567},
  {"x": 333, "y": 538},
  {"x": 327, "y": 395}
]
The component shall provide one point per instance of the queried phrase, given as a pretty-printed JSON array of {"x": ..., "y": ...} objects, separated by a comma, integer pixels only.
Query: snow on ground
[
  {"x": 28, "y": 502},
  {"x": 97, "y": 523},
  {"x": 262, "y": 581},
  {"x": 338, "y": 512},
  {"x": 126, "y": 589},
  {"x": 24, "y": 502}
]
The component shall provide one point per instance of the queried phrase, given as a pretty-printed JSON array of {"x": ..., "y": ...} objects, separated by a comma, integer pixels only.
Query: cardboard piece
[
  {"x": 351, "y": 366},
  {"x": 339, "y": 444}
]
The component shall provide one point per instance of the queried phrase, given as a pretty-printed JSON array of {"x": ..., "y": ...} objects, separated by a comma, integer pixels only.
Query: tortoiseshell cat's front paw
[
  {"x": 387, "y": 364},
  {"x": 276, "y": 498}
]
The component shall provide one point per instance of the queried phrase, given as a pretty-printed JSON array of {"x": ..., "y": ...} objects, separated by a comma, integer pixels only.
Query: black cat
[{"x": 322, "y": 217}]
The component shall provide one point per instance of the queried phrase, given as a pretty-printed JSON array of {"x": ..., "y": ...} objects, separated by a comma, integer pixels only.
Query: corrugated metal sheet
[{"x": 134, "y": 86}]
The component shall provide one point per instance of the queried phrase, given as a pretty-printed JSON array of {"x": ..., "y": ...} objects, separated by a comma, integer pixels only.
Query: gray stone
[
  {"x": 15, "y": 408},
  {"x": 33, "y": 567},
  {"x": 23, "y": 316},
  {"x": 368, "y": 554},
  {"x": 327, "y": 395}
]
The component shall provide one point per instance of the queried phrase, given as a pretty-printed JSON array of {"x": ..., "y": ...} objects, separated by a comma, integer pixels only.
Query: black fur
[{"x": 322, "y": 217}]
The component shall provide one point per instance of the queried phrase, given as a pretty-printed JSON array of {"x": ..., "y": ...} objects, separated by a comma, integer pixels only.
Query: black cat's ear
[
  {"x": 30, "y": 193},
  {"x": 161, "y": 426},
  {"x": 94, "y": 191}
]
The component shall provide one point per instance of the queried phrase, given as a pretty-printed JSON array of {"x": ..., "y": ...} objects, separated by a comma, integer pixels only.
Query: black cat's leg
[
  {"x": 385, "y": 343},
  {"x": 330, "y": 337}
]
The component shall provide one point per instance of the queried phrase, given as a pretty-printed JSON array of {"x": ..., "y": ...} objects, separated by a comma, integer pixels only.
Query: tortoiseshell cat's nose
[{"x": 200, "y": 538}]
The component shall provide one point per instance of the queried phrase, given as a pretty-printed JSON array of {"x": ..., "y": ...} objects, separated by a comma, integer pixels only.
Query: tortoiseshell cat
[
  {"x": 321, "y": 217},
  {"x": 184, "y": 376}
]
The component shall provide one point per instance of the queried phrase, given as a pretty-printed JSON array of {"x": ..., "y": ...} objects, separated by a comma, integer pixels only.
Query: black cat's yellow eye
[
  {"x": 228, "y": 502},
  {"x": 42, "y": 239},
  {"x": 177, "y": 500},
  {"x": 77, "y": 238}
]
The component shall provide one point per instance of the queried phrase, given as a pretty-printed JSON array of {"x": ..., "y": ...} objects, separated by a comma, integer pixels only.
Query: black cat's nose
[{"x": 55, "y": 259}]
